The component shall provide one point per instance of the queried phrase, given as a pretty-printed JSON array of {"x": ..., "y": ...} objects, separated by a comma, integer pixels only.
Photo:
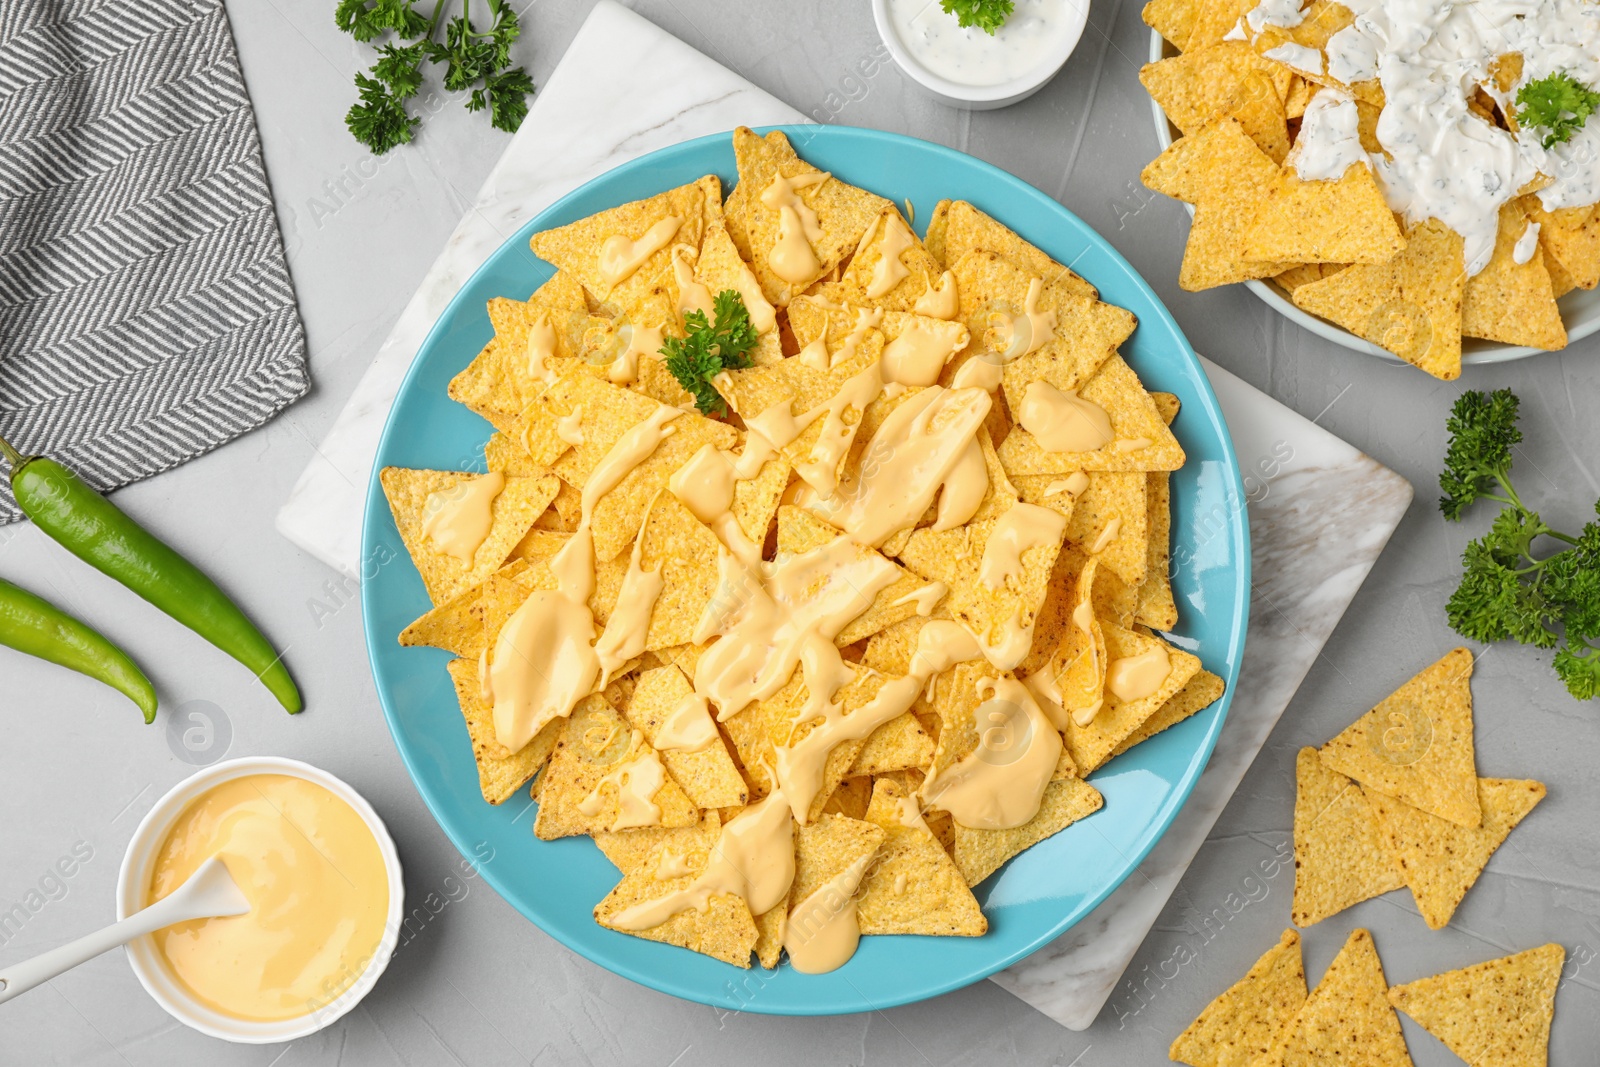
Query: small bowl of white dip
[{"x": 970, "y": 68}]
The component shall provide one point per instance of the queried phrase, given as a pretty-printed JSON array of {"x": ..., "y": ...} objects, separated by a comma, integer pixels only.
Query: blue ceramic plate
[{"x": 1038, "y": 894}]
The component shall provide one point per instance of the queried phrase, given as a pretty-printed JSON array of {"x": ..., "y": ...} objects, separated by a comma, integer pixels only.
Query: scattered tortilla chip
[
  {"x": 576, "y": 247},
  {"x": 1410, "y": 305},
  {"x": 1512, "y": 302},
  {"x": 914, "y": 887},
  {"x": 595, "y": 742},
  {"x": 1347, "y": 1018},
  {"x": 1344, "y": 221},
  {"x": 770, "y": 928},
  {"x": 979, "y": 853},
  {"x": 1417, "y": 744},
  {"x": 1091, "y": 745},
  {"x": 724, "y": 930},
  {"x": 512, "y": 512},
  {"x": 1246, "y": 1019},
  {"x": 1441, "y": 860},
  {"x": 1339, "y": 857},
  {"x": 498, "y": 777},
  {"x": 685, "y": 551},
  {"x": 1492, "y": 1014},
  {"x": 708, "y": 777},
  {"x": 843, "y": 212},
  {"x": 1221, "y": 171},
  {"x": 1202, "y": 691},
  {"x": 720, "y": 266}
]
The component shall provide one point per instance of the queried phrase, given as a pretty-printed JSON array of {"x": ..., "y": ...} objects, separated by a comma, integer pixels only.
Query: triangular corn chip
[
  {"x": 1344, "y": 221},
  {"x": 1512, "y": 302},
  {"x": 1202, "y": 691},
  {"x": 1410, "y": 305},
  {"x": 1347, "y": 1019},
  {"x": 1224, "y": 174},
  {"x": 895, "y": 285},
  {"x": 1492, "y": 1014},
  {"x": 1226, "y": 80},
  {"x": 1140, "y": 441},
  {"x": 1091, "y": 745},
  {"x": 413, "y": 494},
  {"x": 979, "y": 853},
  {"x": 457, "y": 624},
  {"x": 1417, "y": 744},
  {"x": 503, "y": 380},
  {"x": 1243, "y": 1022},
  {"x": 1440, "y": 860},
  {"x": 914, "y": 887},
  {"x": 499, "y": 777},
  {"x": 1339, "y": 857},
  {"x": 1156, "y": 608},
  {"x": 1571, "y": 239},
  {"x": 707, "y": 775},
  {"x": 1172, "y": 19},
  {"x": 956, "y": 228}
]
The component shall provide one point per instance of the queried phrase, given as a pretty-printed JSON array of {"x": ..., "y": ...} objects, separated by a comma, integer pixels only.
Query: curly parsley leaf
[
  {"x": 987, "y": 15},
  {"x": 708, "y": 349},
  {"x": 1559, "y": 104},
  {"x": 474, "y": 61},
  {"x": 1508, "y": 590}
]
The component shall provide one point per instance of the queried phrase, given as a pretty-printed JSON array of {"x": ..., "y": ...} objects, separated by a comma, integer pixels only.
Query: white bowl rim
[
  {"x": 1015, "y": 89},
  {"x": 134, "y": 876},
  {"x": 1474, "y": 351}
]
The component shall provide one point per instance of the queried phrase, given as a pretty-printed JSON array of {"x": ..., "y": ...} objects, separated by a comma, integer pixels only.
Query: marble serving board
[{"x": 1320, "y": 511}]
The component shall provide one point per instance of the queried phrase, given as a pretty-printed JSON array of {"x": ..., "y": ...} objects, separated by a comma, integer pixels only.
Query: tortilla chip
[
  {"x": 1220, "y": 82},
  {"x": 456, "y": 625},
  {"x": 914, "y": 887},
  {"x": 1134, "y": 421},
  {"x": 708, "y": 777},
  {"x": 850, "y": 797},
  {"x": 1155, "y": 607},
  {"x": 898, "y": 745},
  {"x": 1245, "y": 1020},
  {"x": 720, "y": 266},
  {"x": 1344, "y": 221},
  {"x": 512, "y": 513},
  {"x": 1339, "y": 857},
  {"x": 916, "y": 272},
  {"x": 1295, "y": 277},
  {"x": 498, "y": 777},
  {"x": 979, "y": 853},
  {"x": 500, "y": 382},
  {"x": 1410, "y": 305},
  {"x": 1440, "y": 860},
  {"x": 685, "y": 551},
  {"x": 1347, "y": 1018},
  {"x": 770, "y": 928},
  {"x": 1115, "y": 501},
  {"x": 576, "y": 247},
  {"x": 843, "y": 211},
  {"x": 1091, "y": 745},
  {"x": 1202, "y": 691},
  {"x": 724, "y": 930},
  {"x": 504, "y": 453},
  {"x": 1492, "y": 1014},
  {"x": 1512, "y": 302},
  {"x": 1214, "y": 19},
  {"x": 1574, "y": 243},
  {"x": 1417, "y": 744},
  {"x": 1220, "y": 170},
  {"x": 595, "y": 741},
  {"x": 824, "y": 849},
  {"x": 799, "y": 531},
  {"x": 1172, "y": 19},
  {"x": 958, "y": 228}
]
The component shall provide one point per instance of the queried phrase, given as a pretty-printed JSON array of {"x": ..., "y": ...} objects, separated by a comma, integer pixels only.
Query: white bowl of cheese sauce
[
  {"x": 323, "y": 880},
  {"x": 970, "y": 68}
]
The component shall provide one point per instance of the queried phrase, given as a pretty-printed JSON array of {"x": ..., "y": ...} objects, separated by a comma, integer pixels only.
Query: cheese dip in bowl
[
  {"x": 324, "y": 885},
  {"x": 974, "y": 69}
]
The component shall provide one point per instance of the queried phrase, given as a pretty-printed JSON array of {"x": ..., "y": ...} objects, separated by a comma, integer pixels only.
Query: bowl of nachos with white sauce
[
  {"x": 790, "y": 591},
  {"x": 1417, "y": 182}
]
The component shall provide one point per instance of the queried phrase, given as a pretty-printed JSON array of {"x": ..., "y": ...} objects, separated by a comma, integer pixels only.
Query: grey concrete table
[{"x": 476, "y": 984}]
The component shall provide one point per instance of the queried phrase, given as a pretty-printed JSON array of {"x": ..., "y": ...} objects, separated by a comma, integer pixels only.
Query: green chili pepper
[
  {"x": 99, "y": 533},
  {"x": 32, "y": 624}
]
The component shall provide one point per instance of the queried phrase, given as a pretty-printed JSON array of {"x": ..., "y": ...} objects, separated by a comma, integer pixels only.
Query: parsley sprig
[
  {"x": 473, "y": 59},
  {"x": 987, "y": 15},
  {"x": 709, "y": 349},
  {"x": 1507, "y": 590},
  {"x": 1559, "y": 104}
]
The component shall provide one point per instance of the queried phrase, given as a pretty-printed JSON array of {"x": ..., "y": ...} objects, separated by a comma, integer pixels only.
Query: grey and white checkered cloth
[{"x": 146, "y": 311}]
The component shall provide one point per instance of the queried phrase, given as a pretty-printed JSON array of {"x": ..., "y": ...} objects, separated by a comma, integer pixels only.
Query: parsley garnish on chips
[
  {"x": 1559, "y": 104},
  {"x": 987, "y": 15},
  {"x": 708, "y": 350},
  {"x": 472, "y": 59},
  {"x": 1506, "y": 590}
]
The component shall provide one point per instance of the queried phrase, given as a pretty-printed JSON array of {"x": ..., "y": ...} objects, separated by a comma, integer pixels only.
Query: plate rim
[
  {"x": 1489, "y": 352},
  {"x": 1238, "y": 527}
]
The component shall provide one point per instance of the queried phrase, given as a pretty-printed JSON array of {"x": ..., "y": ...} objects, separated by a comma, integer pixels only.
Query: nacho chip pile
[
  {"x": 1493, "y": 1014},
  {"x": 817, "y": 666},
  {"x": 1248, "y": 85},
  {"x": 1395, "y": 800}
]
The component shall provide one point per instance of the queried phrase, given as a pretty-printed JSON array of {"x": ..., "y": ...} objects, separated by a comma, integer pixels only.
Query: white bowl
[
  {"x": 134, "y": 879},
  {"x": 1580, "y": 309},
  {"x": 983, "y": 97}
]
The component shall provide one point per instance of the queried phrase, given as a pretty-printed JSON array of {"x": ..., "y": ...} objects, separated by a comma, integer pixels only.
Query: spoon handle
[{"x": 18, "y": 978}]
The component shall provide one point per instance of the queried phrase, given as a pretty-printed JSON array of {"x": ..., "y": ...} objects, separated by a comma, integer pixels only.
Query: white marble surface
[
  {"x": 1293, "y": 466},
  {"x": 478, "y": 985}
]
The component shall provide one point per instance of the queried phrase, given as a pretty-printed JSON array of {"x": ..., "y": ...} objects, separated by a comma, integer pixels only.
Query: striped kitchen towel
[{"x": 146, "y": 311}]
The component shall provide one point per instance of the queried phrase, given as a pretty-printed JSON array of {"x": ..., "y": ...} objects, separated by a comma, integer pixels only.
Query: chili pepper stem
[{"x": 13, "y": 457}]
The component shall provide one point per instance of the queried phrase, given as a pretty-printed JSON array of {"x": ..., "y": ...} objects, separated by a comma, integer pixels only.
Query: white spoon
[{"x": 210, "y": 891}]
